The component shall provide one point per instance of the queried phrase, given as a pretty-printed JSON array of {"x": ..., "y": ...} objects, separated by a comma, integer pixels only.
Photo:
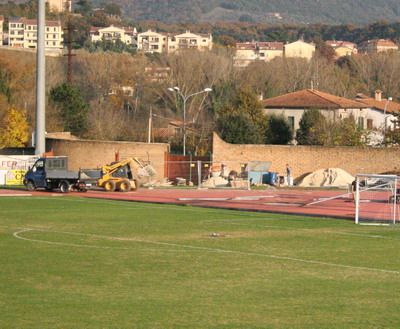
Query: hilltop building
[
  {"x": 127, "y": 35},
  {"x": 343, "y": 48},
  {"x": 250, "y": 51},
  {"x": 377, "y": 46},
  {"x": 23, "y": 34},
  {"x": 265, "y": 51},
  {"x": 60, "y": 5},
  {"x": 153, "y": 42}
]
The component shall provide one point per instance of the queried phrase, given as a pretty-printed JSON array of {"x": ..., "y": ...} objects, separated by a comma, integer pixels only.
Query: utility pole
[{"x": 69, "y": 41}]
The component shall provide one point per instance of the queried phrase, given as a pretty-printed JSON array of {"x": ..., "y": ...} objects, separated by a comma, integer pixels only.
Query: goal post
[{"x": 377, "y": 199}]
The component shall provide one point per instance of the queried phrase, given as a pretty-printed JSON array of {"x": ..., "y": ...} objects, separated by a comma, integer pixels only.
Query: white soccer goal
[{"x": 377, "y": 199}]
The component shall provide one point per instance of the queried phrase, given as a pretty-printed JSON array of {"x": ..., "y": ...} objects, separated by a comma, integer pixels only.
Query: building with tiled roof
[
  {"x": 343, "y": 48},
  {"x": 255, "y": 50},
  {"x": 127, "y": 35},
  {"x": 381, "y": 110},
  {"x": 293, "y": 105},
  {"x": 23, "y": 34},
  {"x": 153, "y": 42},
  {"x": 376, "y": 46},
  {"x": 300, "y": 49},
  {"x": 1, "y": 30}
]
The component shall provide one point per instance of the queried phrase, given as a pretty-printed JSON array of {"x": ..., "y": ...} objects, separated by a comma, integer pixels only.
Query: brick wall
[
  {"x": 304, "y": 159},
  {"x": 92, "y": 154}
]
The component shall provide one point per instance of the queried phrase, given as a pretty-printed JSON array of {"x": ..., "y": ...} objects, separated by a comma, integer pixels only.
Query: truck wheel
[
  {"x": 135, "y": 185},
  {"x": 64, "y": 187},
  {"x": 124, "y": 186},
  {"x": 109, "y": 186},
  {"x": 30, "y": 186}
]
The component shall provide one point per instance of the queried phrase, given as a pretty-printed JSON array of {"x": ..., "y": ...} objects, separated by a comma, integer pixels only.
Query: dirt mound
[{"x": 327, "y": 177}]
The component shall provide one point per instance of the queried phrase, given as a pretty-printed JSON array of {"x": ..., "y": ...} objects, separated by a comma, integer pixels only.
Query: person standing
[
  {"x": 354, "y": 188},
  {"x": 289, "y": 175}
]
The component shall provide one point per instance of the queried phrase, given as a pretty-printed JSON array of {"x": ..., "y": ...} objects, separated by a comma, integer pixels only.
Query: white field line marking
[
  {"x": 13, "y": 195},
  {"x": 311, "y": 230},
  {"x": 15, "y": 234}
]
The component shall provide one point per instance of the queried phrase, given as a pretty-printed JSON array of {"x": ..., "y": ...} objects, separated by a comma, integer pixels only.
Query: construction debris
[
  {"x": 327, "y": 177},
  {"x": 215, "y": 182}
]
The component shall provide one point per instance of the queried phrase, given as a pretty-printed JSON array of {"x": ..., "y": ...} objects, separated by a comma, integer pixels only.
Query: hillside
[{"x": 298, "y": 11}]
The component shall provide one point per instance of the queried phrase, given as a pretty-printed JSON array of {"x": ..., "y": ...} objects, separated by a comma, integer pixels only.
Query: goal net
[{"x": 377, "y": 199}]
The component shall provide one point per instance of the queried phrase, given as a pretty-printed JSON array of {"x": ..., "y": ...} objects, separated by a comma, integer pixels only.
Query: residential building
[
  {"x": 1, "y": 29},
  {"x": 188, "y": 40},
  {"x": 16, "y": 27},
  {"x": 23, "y": 34},
  {"x": 153, "y": 42},
  {"x": 60, "y": 5},
  {"x": 293, "y": 105},
  {"x": 381, "y": 110},
  {"x": 343, "y": 48},
  {"x": 299, "y": 48},
  {"x": 377, "y": 46},
  {"x": 250, "y": 51},
  {"x": 126, "y": 34}
]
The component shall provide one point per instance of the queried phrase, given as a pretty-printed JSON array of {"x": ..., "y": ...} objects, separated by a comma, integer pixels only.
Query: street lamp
[
  {"x": 185, "y": 98},
  {"x": 384, "y": 117}
]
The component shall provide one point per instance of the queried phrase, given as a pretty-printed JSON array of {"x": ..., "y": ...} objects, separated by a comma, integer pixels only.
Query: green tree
[
  {"x": 112, "y": 9},
  {"x": 71, "y": 107},
  {"x": 238, "y": 129},
  {"x": 351, "y": 133},
  {"x": 278, "y": 130},
  {"x": 309, "y": 128},
  {"x": 85, "y": 7},
  {"x": 14, "y": 129}
]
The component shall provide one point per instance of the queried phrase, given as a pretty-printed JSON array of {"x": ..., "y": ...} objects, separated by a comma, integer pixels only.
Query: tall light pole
[
  {"x": 40, "y": 139},
  {"x": 185, "y": 98},
  {"x": 384, "y": 117}
]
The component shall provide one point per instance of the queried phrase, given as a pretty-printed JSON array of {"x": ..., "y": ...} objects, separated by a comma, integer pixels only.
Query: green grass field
[{"x": 70, "y": 262}]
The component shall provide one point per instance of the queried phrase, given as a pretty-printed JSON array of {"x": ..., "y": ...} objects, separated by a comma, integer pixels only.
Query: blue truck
[{"x": 52, "y": 173}]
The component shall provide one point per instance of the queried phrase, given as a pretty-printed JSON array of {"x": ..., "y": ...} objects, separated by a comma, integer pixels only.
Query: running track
[{"x": 289, "y": 201}]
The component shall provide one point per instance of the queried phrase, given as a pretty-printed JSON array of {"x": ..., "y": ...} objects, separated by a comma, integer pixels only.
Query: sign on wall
[{"x": 15, "y": 177}]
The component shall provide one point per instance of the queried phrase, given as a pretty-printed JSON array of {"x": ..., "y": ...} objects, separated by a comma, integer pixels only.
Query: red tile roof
[
  {"x": 310, "y": 98},
  {"x": 246, "y": 46},
  {"x": 340, "y": 43},
  {"x": 271, "y": 45},
  {"x": 48, "y": 23},
  {"x": 391, "y": 107}
]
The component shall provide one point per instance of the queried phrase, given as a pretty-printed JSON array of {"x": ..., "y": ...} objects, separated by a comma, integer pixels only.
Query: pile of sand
[
  {"x": 215, "y": 182},
  {"x": 327, "y": 177}
]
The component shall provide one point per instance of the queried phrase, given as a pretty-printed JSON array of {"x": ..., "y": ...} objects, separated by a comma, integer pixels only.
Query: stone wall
[
  {"x": 92, "y": 154},
  {"x": 305, "y": 159}
]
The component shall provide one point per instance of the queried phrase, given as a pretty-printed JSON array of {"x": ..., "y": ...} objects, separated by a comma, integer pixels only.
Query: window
[
  {"x": 361, "y": 122},
  {"x": 54, "y": 43},
  {"x": 370, "y": 123},
  {"x": 291, "y": 122},
  {"x": 47, "y": 29},
  {"x": 54, "y": 36}
]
